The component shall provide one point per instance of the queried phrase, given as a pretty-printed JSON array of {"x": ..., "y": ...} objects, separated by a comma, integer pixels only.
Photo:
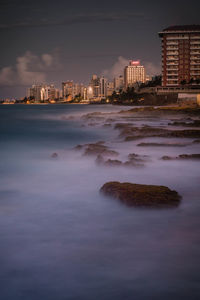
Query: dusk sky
[{"x": 54, "y": 41}]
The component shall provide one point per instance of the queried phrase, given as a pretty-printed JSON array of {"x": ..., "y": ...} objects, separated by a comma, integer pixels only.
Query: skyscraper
[
  {"x": 180, "y": 54},
  {"x": 134, "y": 73}
]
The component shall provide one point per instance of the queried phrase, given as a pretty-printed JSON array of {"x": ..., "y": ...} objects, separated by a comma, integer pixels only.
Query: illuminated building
[
  {"x": 67, "y": 90},
  {"x": 110, "y": 88},
  {"x": 134, "y": 73},
  {"x": 180, "y": 54}
]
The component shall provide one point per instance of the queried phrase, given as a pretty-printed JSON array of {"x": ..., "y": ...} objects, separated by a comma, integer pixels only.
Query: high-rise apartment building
[
  {"x": 103, "y": 87},
  {"x": 134, "y": 73},
  {"x": 180, "y": 54},
  {"x": 95, "y": 85},
  {"x": 67, "y": 90},
  {"x": 42, "y": 92}
]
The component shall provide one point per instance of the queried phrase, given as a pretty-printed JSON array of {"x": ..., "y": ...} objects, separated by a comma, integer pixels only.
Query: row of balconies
[
  {"x": 195, "y": 37},
  {"x": 194, "y": 47}
]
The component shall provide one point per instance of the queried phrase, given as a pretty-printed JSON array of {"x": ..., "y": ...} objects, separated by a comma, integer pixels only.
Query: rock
[
  {"x": 113, "y": 163},
  {"x": 133, "y": 164},
  {"x": 54, "y": 155},
  {"x": 156, "y": 132},
  {"x": 141, "y": 195},
  {"x": 194, "y": 123},
  {"x": 190, "y": 133},
  {"x": 161, "y": 145},
  {"x": 96, "y": 149},
  {"x": 196, "y": 142},
  {"x": 189, "y": 156},
  {"x": 182, "y": 156},
  {"x": 166, "y": 157}
]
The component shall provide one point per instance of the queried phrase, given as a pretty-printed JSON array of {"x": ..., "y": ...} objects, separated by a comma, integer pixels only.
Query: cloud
[
  {"x": 117, "y": 69},
  {"x": 29, "y": 69},
  {"x": 75, "y": 19},
  {"x": 152, "y": 69}
]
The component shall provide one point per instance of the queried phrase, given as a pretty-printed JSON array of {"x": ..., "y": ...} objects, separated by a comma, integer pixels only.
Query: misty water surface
[{"x": 60, "y": 239}]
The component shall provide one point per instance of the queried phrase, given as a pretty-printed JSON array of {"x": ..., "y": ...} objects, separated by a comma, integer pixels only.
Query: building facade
[
  {"x": 118, "y": 83},
  {"x": 180, "y": 54},
  {"x": 134, "y": 73}
]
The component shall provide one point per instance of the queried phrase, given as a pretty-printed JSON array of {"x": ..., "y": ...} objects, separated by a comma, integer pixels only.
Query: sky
[{"x": 45, "y": 41}]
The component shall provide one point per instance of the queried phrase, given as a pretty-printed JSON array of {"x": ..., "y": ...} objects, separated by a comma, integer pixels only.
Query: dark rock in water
[
  {"x": 141, "y": 195},
  {"x": 161, "y": 145},
  {"x": 189, "y": 156},
  {"x": 134, "y": 164},
  {"x": 194, "y": 123},
  {"x": 166, "y": 157},
  {"x": 136, "y": 157},
  {"x": 182, "y": 156},
  {"x": 190, "y": 133},
  {"x": 196, "y": 142},
  {"x": 54, "y": 155},
  {"x": 113, "y": 163},
  {"x": 96, "y": 149}
]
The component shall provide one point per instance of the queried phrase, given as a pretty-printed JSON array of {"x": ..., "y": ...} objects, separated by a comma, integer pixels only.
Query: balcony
[
  {"x": 195, "y": 42},
  {"x": 193, "y": 52},
  {"x": 194, "y": 63},
  {"x": 172, "y": 63},
  {"x": 172, "y": 69},
  {"x": 172, "y": 53},
  {"x": 172, "y": 43},
  {"x": 194, "y": 47},
  {"x": 195, "y": 37}
]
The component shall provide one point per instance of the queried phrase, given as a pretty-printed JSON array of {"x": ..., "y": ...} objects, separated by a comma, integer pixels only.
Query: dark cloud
[{"x": 75, "y": 19}]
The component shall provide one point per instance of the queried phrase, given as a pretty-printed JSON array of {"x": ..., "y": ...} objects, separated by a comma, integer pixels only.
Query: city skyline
[{"x": 57, "y": 41}]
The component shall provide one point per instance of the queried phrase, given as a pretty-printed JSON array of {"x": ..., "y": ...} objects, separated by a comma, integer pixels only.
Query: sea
[{"x": 60, "y": 239}]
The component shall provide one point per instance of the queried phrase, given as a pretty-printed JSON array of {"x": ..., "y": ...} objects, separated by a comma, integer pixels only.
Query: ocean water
[{"x": 62, "y": 240}]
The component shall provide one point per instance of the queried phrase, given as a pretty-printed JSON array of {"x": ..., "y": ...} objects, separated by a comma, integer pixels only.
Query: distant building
[
  {"x": 95, "y": 85},
  {"x": 110, "y": 88},
  {"x": 118, "y": 83},
  {"x": 103, "y": 88},
  {"x": 68, "y": 90},
  {"x": 134, "y": 73},
  {"x": 180, "y": 54}
]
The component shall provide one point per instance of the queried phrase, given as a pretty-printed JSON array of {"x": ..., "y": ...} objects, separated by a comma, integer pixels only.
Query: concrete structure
[
  {"x": 134, "y": 73},
  {"x": 180, "y": 54}
]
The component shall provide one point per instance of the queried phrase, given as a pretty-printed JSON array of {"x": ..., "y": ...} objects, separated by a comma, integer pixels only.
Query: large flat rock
[{"x": 141, "y": 195}]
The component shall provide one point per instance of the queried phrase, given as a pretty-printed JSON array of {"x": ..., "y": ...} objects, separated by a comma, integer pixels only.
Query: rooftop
[{"x": 183, "y": 28}]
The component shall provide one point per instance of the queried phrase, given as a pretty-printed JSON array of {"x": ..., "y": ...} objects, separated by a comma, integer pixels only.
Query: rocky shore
[{"x": 133, "y": 131}]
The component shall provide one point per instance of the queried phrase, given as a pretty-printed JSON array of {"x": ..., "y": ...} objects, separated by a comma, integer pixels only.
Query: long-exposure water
[{"x": 62, "y": 240}]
